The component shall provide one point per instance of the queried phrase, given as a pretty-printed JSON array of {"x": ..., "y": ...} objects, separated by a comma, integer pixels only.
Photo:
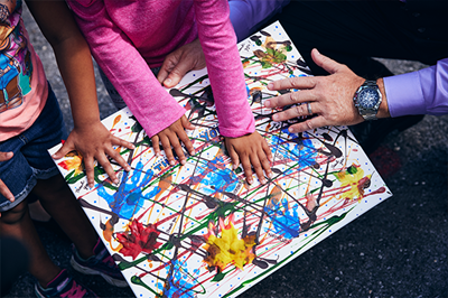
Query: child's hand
[
  {"x": 251, "y": 149},
  {"x": 170, "y": 137},
  {"x": 4, "y": 190},
  {"x": 94, "y": 141},
  {"x": 179, "y": 62}
]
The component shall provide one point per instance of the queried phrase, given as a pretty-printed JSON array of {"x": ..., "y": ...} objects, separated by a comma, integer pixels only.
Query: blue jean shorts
[{"x": 31, "y": 160}]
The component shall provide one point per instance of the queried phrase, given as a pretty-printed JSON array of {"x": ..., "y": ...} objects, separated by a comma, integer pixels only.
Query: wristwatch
[{"x": 367, "y": 100}]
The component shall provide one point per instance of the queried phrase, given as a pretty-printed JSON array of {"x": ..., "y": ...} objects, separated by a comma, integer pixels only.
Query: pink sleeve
[
  {"x": 153, "y": 107},
  {"x": 224, "y": 66}
]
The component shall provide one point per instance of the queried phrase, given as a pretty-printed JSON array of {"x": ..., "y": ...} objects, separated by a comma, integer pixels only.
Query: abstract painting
[{"x": 200, "y": 230}]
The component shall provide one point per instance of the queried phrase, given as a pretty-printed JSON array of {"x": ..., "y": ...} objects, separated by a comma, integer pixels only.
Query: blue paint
[
  {"x": 302, "y": 152},
  {"x": 129, "y": 199},
  {"x": 285, "y": 220},
  {"x": 181, "y": 284},
  {"x": 222, "y": 180}
]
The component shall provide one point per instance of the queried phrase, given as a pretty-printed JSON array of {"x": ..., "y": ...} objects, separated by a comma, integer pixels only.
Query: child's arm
[
  {"x": 4, "y": 190},
  {"x": 89, "y": 136},
  {"x": 157, "y": 111},
  {"x": 224, "y": 66}
]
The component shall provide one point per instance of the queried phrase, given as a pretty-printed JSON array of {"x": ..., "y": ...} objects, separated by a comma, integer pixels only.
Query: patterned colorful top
[{"x": 22, "y": 78}]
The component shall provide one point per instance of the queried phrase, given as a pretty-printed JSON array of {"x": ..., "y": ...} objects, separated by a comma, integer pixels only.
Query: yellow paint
[{"x": 229, "y": 249}]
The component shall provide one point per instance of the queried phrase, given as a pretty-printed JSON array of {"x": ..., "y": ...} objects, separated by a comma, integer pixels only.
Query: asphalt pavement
[{"x": 397, "y": 249}]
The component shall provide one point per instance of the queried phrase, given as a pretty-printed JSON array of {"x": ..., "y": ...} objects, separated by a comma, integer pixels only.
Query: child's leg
[
  {"x": 61, "y": 204},
  {"x": 17, "y": 223}
]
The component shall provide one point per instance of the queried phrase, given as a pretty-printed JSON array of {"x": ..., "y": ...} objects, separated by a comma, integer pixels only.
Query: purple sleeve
[
  {"x": 247, "y": 15},
  {"x": 420, "y": 92}
]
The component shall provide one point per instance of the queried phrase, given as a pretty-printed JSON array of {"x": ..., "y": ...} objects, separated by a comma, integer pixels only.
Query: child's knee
[{"x": 14, "y": 215}]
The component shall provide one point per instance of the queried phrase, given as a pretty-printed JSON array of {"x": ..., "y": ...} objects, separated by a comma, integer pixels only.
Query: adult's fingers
[
  {"x": 6, "y": 192},
  {"x": 309, "y": 124},
  {"x": 296, "y": 111},
  {"x": 184, "y": 65},
  {"x": 293, "y": 83},
  {"x": 167, "y": 66},
  {"x": 291, "y": 98},
  {"x": 327, "y": 63}
]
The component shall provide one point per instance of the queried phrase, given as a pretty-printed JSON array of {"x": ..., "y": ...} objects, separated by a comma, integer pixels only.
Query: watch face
[{"x": 368, "y": 98}]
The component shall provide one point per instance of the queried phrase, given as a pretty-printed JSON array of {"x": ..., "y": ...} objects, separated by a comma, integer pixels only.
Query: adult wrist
[{"x": 384, "y": 111}]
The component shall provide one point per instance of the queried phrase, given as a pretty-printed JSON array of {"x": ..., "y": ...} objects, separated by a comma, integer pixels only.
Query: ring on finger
[{"x": 309, "y": 108}]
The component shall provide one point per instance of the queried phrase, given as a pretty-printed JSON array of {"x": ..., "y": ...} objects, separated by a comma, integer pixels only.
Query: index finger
[
  {"x": 6, "y": 192},
  {"x": 302, "y": 82},
  {"x": 6, "y": 155}
]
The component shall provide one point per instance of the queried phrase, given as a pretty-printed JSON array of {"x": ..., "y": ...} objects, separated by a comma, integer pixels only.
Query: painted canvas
[{"x": 200, "y": 230}]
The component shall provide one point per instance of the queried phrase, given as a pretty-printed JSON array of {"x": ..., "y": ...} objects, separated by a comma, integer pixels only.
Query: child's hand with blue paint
[
  {"x": 171, "y": 137},
  {"x": 250, "y": 150}
]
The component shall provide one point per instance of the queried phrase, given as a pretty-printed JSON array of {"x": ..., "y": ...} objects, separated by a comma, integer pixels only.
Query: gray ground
[{"x": 398, "y": 249}]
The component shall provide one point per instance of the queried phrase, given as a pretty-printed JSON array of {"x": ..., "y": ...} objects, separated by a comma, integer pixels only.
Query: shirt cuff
[{"x": 404, "y": 94}]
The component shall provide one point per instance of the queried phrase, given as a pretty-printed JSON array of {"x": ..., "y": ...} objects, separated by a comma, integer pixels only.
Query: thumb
[
  {"x": 186, "y": 123},
  {"x": 325, "y": 62},
  {"x": 181, "y": 68},
  {"x": 6, "y": 155},
  {"x": 66, "y": 148},
  {"x": 165, "y": 70}
]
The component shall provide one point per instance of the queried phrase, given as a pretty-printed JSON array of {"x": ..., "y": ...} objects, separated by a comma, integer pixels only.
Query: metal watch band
[{"x": 367, "y": 115}]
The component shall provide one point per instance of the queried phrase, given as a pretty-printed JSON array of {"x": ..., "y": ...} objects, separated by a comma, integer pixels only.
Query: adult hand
[
  {"x": 94, "y": 141},
  {"x": 178, "y": 63},
  {"x": 330, "y": 97},
  {"x": 4, "y": 190},
  {"x": 170, "y": 137},
  {"x": 251, "y": 149}
]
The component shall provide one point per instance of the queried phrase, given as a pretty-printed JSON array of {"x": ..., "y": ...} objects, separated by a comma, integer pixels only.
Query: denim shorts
[{"x": 31, "y": 160}]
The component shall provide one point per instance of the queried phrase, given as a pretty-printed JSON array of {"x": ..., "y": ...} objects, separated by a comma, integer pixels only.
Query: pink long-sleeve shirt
[{"x": 127, "y": 38}]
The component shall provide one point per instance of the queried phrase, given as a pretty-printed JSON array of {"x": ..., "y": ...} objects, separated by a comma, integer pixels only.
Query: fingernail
[
  {"x": 11, "y": 199},
  {"x": 132, "y": 146},
  {"x": 127, "y": 168},
  {"x": 263, "y": 180},
  {"x": 270, "y": 175},
  {"x": 116, "y": 181},
  {"x": 183, "y": 162},
  {"x": 275, "y": 117},
  {"x": 234, "y": 166},
  {"x": 250, "y": 180},
  {"x": 270, "y": 86},
  {"x": 267, "y": 103},
  {"x": 167, "y": 81},
  {"x": 172, "y": 162}
]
